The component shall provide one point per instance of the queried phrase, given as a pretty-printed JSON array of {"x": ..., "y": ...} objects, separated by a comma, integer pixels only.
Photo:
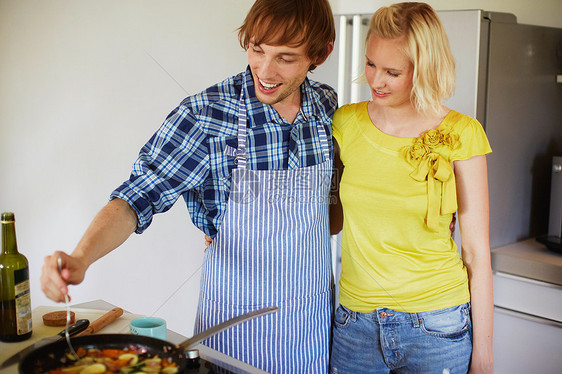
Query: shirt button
[{"x": 383, "y": 314}]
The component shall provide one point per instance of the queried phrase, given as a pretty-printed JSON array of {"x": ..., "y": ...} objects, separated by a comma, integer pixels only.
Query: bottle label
[{"x": 23, "y": 301}]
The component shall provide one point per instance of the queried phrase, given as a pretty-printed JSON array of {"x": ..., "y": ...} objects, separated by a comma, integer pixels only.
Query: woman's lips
[{"x": 378, "y": 93}]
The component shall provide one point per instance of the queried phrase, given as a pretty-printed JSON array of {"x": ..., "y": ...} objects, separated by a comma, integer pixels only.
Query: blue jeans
[{"x": 387, "y": 341}]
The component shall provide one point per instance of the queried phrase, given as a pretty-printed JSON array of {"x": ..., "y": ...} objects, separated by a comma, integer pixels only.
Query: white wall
[{"x": 83, "y": 84}]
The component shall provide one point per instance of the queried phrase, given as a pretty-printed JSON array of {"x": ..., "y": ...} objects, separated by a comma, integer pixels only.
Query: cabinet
[{"x": 528, "y": 309}]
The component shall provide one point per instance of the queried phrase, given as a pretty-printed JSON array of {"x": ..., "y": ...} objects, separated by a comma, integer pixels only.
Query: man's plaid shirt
[{"x": 192, "y": 154}]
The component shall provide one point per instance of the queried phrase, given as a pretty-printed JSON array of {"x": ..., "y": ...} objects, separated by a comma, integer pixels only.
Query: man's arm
[
  {"x": 336, "y": 212},
  {"x": 110, "y": 228}
]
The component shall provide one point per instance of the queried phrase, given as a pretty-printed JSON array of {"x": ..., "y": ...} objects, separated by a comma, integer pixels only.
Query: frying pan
[{"x": 52, "y": 356}]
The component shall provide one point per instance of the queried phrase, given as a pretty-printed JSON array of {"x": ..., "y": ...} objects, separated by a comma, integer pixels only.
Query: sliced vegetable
[
  {"x": 74, "y": 369},
  {"x": 94, "y": 369},
  {"x": 129, "y": 359}
]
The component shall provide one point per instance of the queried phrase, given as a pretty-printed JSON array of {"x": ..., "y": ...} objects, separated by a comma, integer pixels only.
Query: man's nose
[{"x": 267, "y": 67}]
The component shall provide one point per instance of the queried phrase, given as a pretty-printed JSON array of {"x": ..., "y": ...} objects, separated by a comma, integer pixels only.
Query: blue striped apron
[{"x": 272, "y": 248}]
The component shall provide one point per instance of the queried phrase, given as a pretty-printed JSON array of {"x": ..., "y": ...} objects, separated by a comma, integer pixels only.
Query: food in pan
[{"x": 130, "y": 360}]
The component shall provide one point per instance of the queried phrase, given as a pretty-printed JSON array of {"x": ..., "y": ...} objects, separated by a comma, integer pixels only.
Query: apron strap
[
  {"x": 240, "y": 158},
  {"x": 323, "y": 140}
]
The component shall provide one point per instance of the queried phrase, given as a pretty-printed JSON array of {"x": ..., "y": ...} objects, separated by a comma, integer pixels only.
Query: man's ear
[{"x": 329, "y": 49}]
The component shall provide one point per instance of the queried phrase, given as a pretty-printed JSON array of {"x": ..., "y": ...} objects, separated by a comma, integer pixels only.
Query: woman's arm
[
  {"x": 472, "y": 191},
  {"x": 336, "y": 212}
]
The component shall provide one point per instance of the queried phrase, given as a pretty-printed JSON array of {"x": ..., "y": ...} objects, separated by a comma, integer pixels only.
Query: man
[{"x": 251, "y": 156}]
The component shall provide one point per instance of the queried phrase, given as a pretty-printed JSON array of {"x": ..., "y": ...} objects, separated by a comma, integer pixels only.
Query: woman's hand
[{"x": 481, "y": 364}]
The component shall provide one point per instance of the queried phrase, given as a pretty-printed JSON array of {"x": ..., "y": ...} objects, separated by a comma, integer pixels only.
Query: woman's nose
[{"x": 378, "y": 80}]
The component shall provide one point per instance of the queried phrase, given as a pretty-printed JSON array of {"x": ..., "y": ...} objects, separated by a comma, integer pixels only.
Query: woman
[{"x": 407, "y": 164}]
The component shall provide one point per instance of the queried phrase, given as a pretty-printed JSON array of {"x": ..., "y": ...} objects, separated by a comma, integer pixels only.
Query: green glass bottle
[{"x": 15, "y": 299}]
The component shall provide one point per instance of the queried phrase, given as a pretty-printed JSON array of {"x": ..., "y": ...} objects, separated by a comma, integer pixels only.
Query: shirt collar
[{"x": 260, "y": 113}]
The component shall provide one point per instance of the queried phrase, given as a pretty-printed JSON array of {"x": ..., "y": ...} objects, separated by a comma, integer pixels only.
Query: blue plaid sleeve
[{"x": 172, "y": 162}]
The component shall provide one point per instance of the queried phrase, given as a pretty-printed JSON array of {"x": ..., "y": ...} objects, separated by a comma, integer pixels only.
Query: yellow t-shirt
[{"x": 398, "y": 196}]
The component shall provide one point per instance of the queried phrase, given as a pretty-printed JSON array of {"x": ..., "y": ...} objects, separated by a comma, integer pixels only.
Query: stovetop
[
  {"x": 202, "y": 366},
  {"x": 214, "y": 362}
]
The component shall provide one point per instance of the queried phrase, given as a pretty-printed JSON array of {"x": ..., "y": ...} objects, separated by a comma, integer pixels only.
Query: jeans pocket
[
  {"x": 451, "y": 323},
  {"x": 341, "y": 316}
]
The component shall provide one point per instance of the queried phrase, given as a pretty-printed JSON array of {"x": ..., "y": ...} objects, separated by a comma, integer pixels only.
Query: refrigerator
[{"x": 509, "y": 77}]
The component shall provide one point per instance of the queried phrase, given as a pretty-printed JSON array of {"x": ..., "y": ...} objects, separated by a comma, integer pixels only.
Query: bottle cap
[{"x": 8, "y": 217}]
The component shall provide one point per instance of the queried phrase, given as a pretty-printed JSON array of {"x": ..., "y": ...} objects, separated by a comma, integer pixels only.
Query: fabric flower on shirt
[
  {"x": 431, "y": 166},
  {"x": 416, "y": 152},
  {"x": 432, "y": 138},
  {"x": 451, "y": 141}
]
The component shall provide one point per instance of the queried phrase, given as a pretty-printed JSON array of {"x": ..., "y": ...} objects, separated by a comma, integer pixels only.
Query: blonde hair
[
  {"x": 426, "y": 45},
  {"x": 293, "y": 23}
]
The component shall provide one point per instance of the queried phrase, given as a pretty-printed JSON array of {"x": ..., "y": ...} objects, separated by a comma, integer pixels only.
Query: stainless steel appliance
[
  {"x": 555, "y": 219},
  {"x": 554, "y": 238}
]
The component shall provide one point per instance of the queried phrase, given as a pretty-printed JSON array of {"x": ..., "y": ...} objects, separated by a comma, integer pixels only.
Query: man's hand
[
  {"x": 208, "y": 242},
  {"x": 54, "y": 283},
  {"x": 452, "y": 224}
]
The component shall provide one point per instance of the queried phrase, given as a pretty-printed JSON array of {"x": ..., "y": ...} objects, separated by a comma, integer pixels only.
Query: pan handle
[{"x": 197, "y": 338}]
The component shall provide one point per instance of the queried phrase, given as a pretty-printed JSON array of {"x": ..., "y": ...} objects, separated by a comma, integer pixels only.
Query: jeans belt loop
[
  {"x": 415, "y": 319},
  {"x": 353, "y": 315}
]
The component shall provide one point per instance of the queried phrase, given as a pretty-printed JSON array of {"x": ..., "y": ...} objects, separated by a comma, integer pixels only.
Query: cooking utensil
[
  {"x": 49, "y": 357},
  {"x": 74, "y": 329},
  {"x": 68, "y": 317},
  {"x": 205, "y": 334},
  {"x": 103, "y": 321}
]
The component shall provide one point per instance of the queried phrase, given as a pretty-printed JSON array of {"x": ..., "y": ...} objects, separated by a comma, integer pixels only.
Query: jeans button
[{"x": 383, "y": 314}]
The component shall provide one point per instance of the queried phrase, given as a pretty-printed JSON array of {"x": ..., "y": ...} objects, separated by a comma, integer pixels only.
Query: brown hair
[
  {"x": 426, "y": 45},
  {"x": 292, "y": 23}
]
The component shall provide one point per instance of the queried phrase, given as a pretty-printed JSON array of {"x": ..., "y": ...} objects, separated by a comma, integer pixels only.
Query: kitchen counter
[
  {"x": 528, "y": 259},
  {"x": 95, "y": 309}
]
